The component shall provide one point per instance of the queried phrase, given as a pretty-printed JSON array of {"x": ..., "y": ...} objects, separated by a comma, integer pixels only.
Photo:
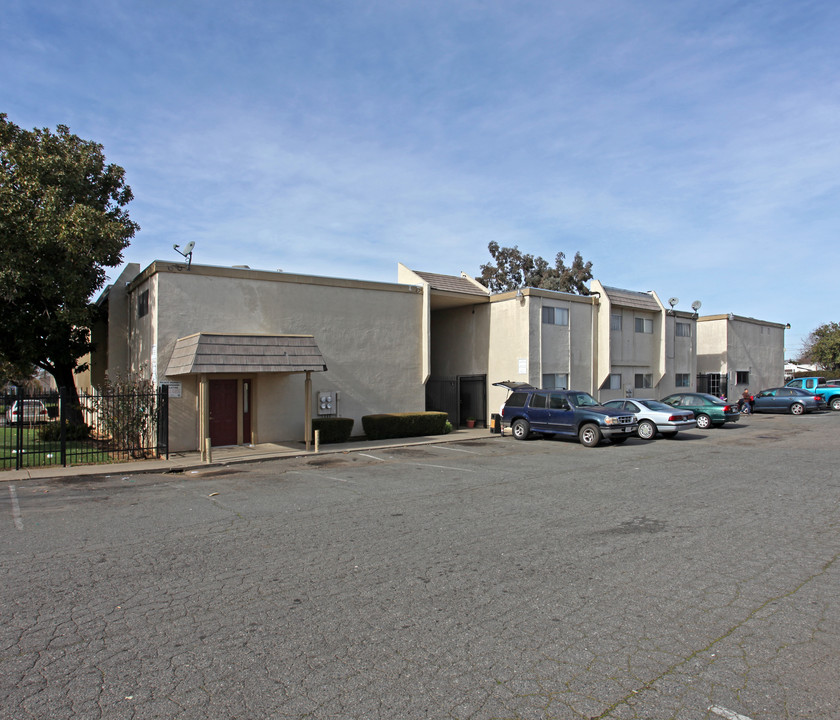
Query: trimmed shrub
[
  {"x": 52, "y": 432},
  {"x": 332, "y": 429},
  {"x": 397, "y": 425}
]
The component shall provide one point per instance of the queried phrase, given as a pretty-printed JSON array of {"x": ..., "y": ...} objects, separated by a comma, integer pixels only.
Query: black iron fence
[{"x": 47, "y": 429}]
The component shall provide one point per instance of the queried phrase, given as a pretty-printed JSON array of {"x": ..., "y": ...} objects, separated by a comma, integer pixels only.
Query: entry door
[{"x": 223, "y": 425}]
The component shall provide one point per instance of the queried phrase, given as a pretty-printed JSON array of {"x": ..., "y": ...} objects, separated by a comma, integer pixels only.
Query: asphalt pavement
[{"x": 484, "y": 578}]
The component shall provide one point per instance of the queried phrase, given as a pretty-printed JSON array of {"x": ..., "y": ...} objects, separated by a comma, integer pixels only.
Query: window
[
  {"x": 683, "y": 380},
  {"x": 742, "y": 377},
  {"x": 555, "y": 316},
  {"x": 644, "y": 381},
  {"x": 613, "y": 382},
  {"x": 555, "y": 381},
  {"x": 517, "y": 399},
  {"x": 143, "y": 304},
  {"x": 683, "y": 329},
  {"x": 615, "y": 322},
  {"x": 644, "y": 325},
  {"x": 538, "y": 401},
  {"x": 558, "y": 402}
]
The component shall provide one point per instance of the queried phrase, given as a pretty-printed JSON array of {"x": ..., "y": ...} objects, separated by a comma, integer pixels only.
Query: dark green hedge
[
  {"x": 397, "y": 425},
  {"x": 333, "y": 429}
]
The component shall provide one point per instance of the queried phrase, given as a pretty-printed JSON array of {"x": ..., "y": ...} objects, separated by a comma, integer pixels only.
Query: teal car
[{"x": 708, "y": 409}]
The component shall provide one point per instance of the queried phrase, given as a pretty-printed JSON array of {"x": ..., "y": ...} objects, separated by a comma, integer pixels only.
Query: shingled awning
[{"x": 218, "y": 353}]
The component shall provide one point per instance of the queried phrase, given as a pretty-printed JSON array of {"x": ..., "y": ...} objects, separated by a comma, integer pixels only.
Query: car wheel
[
  {"x": 589, "y": 435},
  {"x": 704, "y": 422},
  {"x": 520, "y": 429},
  {"x": 835, "y": 403},
  {"x": 647, "y": 430},
  {"x": 797, "y": 409}
]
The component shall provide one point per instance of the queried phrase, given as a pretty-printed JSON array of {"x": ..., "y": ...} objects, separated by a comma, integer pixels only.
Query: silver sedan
[{"x": 655, "y": 416}]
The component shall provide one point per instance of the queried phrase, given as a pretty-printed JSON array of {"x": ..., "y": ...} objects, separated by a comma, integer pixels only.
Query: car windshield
[
  {"x": 655, "y": 405},
  {"x": 582, "y": 399}
]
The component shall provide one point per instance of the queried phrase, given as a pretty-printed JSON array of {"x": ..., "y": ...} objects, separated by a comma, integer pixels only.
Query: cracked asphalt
[{"x": 682, "y": 579}]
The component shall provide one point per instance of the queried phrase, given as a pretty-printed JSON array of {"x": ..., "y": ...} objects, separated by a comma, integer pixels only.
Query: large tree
[
  {"x": 823, "y": 347},
  {"x": 513, "y": 269},
  {"x": 62, "y": 222}
]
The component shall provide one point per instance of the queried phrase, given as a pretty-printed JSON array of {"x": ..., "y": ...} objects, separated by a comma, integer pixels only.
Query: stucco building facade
[{"x": 250, "y": 356}]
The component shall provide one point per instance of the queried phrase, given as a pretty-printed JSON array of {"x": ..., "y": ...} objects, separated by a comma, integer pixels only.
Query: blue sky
[{"x": 692, "y": 148}]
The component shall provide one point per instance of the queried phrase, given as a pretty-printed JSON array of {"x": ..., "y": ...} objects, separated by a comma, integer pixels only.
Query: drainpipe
[{"x": 593, "y": 360}]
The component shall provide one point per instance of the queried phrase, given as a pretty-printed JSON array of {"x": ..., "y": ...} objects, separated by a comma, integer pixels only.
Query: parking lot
[{"x": 688, "y": 578}]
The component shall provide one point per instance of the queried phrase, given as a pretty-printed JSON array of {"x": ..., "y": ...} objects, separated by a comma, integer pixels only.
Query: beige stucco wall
[
  {"x": 627, "y": 352},
  {"x": 369, "y": 334},
  {"x": 523, "y": 349},
  {"x": 680, "y": 355},
  {"x": 728, "y": 344}
]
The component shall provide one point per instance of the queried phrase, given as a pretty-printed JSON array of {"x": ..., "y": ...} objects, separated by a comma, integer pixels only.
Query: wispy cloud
[{"x": 678, "y": 145}]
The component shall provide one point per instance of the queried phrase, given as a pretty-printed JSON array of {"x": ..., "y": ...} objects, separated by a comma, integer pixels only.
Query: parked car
[
  {"x": 708, "y": 409},
  {"x": 571, "y": 413},
  {"x": 655, "y": 416},
  {"x": 818, "y": 386},
  {"x": 788, "y": 399},
  {"x": 34, "y": 411}
]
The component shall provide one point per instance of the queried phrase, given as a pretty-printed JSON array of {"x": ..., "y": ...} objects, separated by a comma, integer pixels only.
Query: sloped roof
[
  {"x": 632, "y": 299},
  {"x": 451, "y": 283},
  {"x": 220, "y": 353}
]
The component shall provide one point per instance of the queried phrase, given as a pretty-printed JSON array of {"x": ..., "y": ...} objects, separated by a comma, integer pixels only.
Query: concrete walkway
[{"x": 221, "y": 456}]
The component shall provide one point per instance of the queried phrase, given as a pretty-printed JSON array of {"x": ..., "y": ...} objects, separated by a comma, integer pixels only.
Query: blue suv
[{"x": 570, "y": 413}]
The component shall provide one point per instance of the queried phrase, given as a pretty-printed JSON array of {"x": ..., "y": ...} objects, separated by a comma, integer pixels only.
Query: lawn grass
[{"x": 37, "y": 453}]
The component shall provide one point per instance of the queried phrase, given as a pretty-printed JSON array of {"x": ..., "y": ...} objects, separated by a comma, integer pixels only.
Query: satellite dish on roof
[
  {"x": 186, "y": 252},
  {"x": 673, "y": 301},
  {"x": 696, "y": 305}
]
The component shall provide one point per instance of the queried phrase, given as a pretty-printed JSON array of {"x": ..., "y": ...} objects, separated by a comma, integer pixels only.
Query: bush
[
  {"x": 52, "y": 432},
  {"x": 333, "y": 429},
  {"x": 397, "y": 425}
]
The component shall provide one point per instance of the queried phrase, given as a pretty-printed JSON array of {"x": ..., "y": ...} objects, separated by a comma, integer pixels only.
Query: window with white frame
[
  {"x": 683, "y": 329},
  {"x": 644, "y": 325},
  {"x": 555, "y": 381},
  {"x": 615, "y": 322},
  {"x": 644, "y": 381},
  {"x": 555, "y": 316},
  {"x": 683, "y": 380},
  {"x": 613, "y": 382}
]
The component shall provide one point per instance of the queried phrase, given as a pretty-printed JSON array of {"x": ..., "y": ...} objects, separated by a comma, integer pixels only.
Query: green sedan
[{"x": 708, "y": 409}]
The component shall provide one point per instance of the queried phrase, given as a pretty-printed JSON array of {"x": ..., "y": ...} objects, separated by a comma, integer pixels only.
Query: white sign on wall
[
  {"x": 174, "y": 388},
  {"x": 523, "y": 366}
]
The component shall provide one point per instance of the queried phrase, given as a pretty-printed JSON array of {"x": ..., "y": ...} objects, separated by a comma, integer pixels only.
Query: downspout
[{"x": 593, "y": 358}]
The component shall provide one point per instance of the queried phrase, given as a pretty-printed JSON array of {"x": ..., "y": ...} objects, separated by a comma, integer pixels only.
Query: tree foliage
[
  {"x": 62, "y": 222},
  {"x": 823, "y": 347},
  {"x": 513, "y": 269}
]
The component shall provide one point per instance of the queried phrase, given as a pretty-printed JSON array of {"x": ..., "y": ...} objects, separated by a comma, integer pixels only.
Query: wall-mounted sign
[{"x": 174, "y": 388}]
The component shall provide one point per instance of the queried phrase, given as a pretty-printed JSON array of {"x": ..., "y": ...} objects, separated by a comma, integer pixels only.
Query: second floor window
[
  {"x": 555, "y": 316},
  {"x": 143, "y": 304},
  {"x": 644, "y": 325},
  {"x": 683, "y": 330}
]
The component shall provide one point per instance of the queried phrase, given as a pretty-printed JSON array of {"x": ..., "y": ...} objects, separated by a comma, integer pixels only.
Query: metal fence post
[
  {"x": 19, "y": 429},
  {"x": 163, "y": 420}
]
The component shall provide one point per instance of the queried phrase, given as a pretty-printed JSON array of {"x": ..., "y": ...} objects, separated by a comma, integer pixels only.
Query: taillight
[{"x": 728, "y": 408}]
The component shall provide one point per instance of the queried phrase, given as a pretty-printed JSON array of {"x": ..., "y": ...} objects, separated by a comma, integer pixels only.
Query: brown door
[{"x": 223, "y": 412}]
